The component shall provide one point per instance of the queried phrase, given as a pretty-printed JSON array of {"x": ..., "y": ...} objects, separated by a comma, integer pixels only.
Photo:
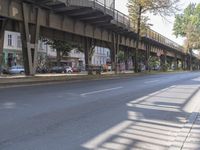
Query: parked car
[
  {"x": 4, "y": 70},
  {"x": 76, "y": 69},
  {"x": 42, "y": 70},
  {"x": 16, "y": 70},
  {"x": 61, "y": 69},
  {"x": 68, "y": 69}
]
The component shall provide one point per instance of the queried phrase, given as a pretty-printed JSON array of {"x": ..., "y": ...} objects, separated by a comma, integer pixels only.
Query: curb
[
  {"x": 182, "y": 136},
  {"x": 25, "y": 81}
]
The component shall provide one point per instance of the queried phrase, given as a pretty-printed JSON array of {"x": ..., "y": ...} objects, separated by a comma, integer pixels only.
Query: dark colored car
[
  {"x": 76, "y": 69},
  {"x": 4, "y": 70},
  {"x": 57, "y": 69},
  {"x": 42, "y": 70},
  {"x": 62, "y": 69}
]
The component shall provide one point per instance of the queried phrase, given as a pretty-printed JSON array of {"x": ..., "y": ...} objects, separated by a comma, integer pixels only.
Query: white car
[
  {"x": 68, "y": 69},
  {"x": 16, "y": 70}
]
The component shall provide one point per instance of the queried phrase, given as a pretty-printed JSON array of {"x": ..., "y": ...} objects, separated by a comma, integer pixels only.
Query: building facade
[
  {"x": 12, "y": 53},
  {"x": 101, "y": 56},
  {"x": 76, "y": 58}
]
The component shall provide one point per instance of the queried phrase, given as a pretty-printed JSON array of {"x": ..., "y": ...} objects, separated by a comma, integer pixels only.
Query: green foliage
[
  {"x": 153, "y": 62},
  {"x": 157, "y": 7},
  {"x": 187, "y": 25},
  {"x": 120, "y": 56},
  {"x": 62, "y": 48}
]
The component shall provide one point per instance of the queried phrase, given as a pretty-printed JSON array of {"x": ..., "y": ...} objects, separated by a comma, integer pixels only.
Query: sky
[{"x": 159, "y": 24}]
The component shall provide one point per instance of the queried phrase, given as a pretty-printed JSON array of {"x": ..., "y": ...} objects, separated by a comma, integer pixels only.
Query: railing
[
  {"x": 124, "y": 21},
  {"x": 161, "y": 39}
]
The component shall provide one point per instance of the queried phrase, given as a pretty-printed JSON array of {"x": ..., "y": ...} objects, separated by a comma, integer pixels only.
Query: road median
[{"x": 26, "y": 80}]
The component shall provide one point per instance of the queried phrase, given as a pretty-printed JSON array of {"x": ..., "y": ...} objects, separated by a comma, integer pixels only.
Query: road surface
[{"x": 144, "y": 113}]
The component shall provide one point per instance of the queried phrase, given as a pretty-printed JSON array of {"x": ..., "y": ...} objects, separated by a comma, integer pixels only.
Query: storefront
[{"x": 12, "y": 58}]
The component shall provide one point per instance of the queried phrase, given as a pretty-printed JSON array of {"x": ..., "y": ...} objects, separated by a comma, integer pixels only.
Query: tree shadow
[{"x": 152, "y": 122}]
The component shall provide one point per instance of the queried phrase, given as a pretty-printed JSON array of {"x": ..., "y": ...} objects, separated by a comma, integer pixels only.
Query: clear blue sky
[{"x": 159, "y": 24}]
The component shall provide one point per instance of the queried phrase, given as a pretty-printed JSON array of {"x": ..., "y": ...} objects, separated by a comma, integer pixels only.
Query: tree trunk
[
  {"x": 190, "y": 61},
  {"x": 138, "y": 39},
  {"x": 58, "y": 57}
]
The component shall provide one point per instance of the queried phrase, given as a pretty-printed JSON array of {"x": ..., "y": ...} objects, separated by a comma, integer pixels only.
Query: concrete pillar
[
  {"x": 30, "y": 37},
  {"x": 2, "y": 31}
]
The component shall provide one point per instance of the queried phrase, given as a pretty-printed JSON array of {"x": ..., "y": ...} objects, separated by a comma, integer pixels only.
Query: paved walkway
[
  {"x": 188, "y": 137},
  {"x": 193, "y": 140}
]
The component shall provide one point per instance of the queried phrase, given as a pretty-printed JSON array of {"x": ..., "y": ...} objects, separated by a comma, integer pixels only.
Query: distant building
[
  {"x": 12, "y": 54},
  {"x": 12, "y": 51},
  {"x": 76, "y": 58},
  {"x": 101, "y": 56}
]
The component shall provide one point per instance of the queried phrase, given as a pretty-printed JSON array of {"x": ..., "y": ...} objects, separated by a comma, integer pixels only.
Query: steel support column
[
  {"x": 175, "y": 62},
  {"x": 126, "y": 54},
  {"x": 163, "y": 61},
  {"x": 147, "y": 56},
  {"x": 2, "y": 31},
  {"x": 114, "y": 51},
  {"x": 87, "y": 46},
  {"x": 183, "y": 63},
  {"x": 30, "y": 36}
]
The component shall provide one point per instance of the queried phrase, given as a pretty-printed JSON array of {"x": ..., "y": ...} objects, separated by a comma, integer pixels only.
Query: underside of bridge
[{"x": 89, "y": 22}]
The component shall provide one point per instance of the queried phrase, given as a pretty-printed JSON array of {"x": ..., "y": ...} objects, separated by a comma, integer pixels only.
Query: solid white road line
[
  {"x": 100, "y": 91},
  {"x": 152, "y": 81}
]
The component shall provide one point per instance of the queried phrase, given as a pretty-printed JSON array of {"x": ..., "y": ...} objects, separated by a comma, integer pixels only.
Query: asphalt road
[{"x": 144, "y": 113}]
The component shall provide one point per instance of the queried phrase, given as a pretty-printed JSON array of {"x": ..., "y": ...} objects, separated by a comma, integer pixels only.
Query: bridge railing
[
  {"x": 107, "y": 6},
  {"x": 161, "y": 39},
  {"x": 123, "y": 20}
]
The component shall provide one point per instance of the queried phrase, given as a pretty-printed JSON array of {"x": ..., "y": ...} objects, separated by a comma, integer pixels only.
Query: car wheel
[
  {"x": 69, "y": 71},
  {"x": 22, "y": 72}
]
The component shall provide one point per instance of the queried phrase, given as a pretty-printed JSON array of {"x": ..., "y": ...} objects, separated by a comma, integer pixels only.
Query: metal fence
[
  {"x": 107, "y": 3},
  {"x": 108, "y": 6}
]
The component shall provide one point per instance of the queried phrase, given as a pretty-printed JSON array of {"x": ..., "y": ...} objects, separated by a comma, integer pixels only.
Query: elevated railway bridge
[{"x": 88, "y": 22}]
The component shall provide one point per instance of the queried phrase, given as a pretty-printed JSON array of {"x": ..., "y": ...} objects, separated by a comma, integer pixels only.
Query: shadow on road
[{"x": 152, "y": 122}]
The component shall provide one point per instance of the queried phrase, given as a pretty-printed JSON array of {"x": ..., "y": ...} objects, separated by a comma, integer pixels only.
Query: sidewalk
[
  {"x": 193, "y": 140},
  {"x": 188, "y": 137}
]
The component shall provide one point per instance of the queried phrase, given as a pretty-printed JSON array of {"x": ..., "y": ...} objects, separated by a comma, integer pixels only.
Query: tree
[
  {"x": 62, "y": 48},
  {"x": 138, "y": 10},
  {"x": 121, "y": 56},
  {"x": 153, "y": 62},
  {"x": 187, "y": 25}
]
